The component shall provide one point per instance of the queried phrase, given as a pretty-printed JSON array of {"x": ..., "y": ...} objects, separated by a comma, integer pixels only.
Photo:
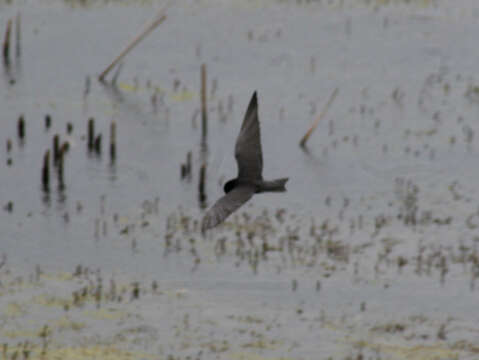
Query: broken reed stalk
[
  {"x": 6, "y": 42},
  {"x": 56, "y": 148},
  {"x": 21, "y": 127},
  {"x": 306, "y": 136},
  {"x": 60, "y": 172},
  {"x": 160, "y": 17},
  {"x": 48, "y": 121},
  {"x": 183, "y": 171},
  {"x": 65, "y": 147},
  {"x": 46, "y": 171},
  {"x": 188, "y": 163},
  {"x": 201, "y": 186},
  {"x": 91, "y": 133},
  {"x": 113, "y": 142},
  {"x": 116, "y": 75},
  {"x": 98, "y": 144},
  {"x": 204, "y": 109},
  {"x": 186, "y": 168},
  {"x": 18, "y": 34}
]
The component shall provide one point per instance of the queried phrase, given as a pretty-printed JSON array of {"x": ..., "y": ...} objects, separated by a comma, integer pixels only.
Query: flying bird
[{"x": 250, "y": 168}]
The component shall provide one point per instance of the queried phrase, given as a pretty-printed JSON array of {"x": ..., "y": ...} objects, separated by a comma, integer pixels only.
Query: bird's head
[{"x": 230, "y": 185}]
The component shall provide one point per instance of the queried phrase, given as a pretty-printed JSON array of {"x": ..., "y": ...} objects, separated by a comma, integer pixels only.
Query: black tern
[{"x": 250, "y": 167}]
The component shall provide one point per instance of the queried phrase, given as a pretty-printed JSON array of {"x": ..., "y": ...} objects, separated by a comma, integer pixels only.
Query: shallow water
[{"x": 372, "y": 251}]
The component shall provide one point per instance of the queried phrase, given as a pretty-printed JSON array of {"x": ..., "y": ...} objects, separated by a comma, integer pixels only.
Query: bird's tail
[{"x": 274, "y": 185}]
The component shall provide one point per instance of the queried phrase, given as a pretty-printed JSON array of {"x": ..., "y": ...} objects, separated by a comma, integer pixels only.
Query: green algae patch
[
  {"x": 16, "y": 334},
  {"x": 13, "y": 310},
  {"x": 106, "y": 314},
  {"x": 184, "y": 95},
  {"x": 98, "y": 352},
  {"x": 52, "y": 301},
  {"x": 62, "y": 276},
  {"x": 414, "y": 352},
  {"x": 64, "y": 323},
  {"x": 251, "y": 356}
]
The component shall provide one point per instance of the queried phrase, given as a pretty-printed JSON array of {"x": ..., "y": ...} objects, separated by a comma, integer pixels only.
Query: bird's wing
[
  {"x": 248, "y": 145},
  {"x": 226, "y": 205}
]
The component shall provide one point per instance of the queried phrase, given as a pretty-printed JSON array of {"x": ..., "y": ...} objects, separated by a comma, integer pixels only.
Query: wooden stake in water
[
  {"x": 18, "y": 34},
  {"x": 56, "y": 148},
  {"x": 113, "y": 141},
  {"x": 204, "y": 108},
  {"x": 188, "y": 164},
  {"x": 46, "y": 172},
  {"x": 6, "y": 42},
  {"x": 65, "y": 147},
  {"x": 98, "y": 144},
  {"x": 201, "y": 186},
  {"x": 91, "y": 134},
  {"x": 21, "y": 127},
  {"x": 183, "y": 171},
  {"x": 306, "y": 136},
  {"x": 60, "y": 172},
  {"x": 48, "y": 121}
]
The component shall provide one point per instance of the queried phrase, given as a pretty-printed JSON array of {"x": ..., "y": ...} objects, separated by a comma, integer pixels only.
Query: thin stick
[
  {"x": 56, "y": 148},
  {"x": 21, "y": 127},
  {"x": 113, "y": 141},
  {"x": 204, "y": 110},
  {"x": 18, "y": 34},
  {"x": 306, "y": 136},
  {"x": 6, "y": 42},
  {"x": 201, "y": 186},
  {"x": 46, "y": 171},
  {"x": 160, "y": 17},
  {"x": 60, "y": 172},
  {"x": 116, "y": 74},
  {"x": 91, "y": 134}
]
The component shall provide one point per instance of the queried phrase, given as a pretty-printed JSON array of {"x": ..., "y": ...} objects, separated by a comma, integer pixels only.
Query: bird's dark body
[{"x": 249, "y": 181}]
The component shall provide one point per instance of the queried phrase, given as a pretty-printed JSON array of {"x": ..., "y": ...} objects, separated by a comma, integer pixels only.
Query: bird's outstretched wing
[
  {"x": 226, "y": 205},
  {"x": 248, "y": 145}
]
